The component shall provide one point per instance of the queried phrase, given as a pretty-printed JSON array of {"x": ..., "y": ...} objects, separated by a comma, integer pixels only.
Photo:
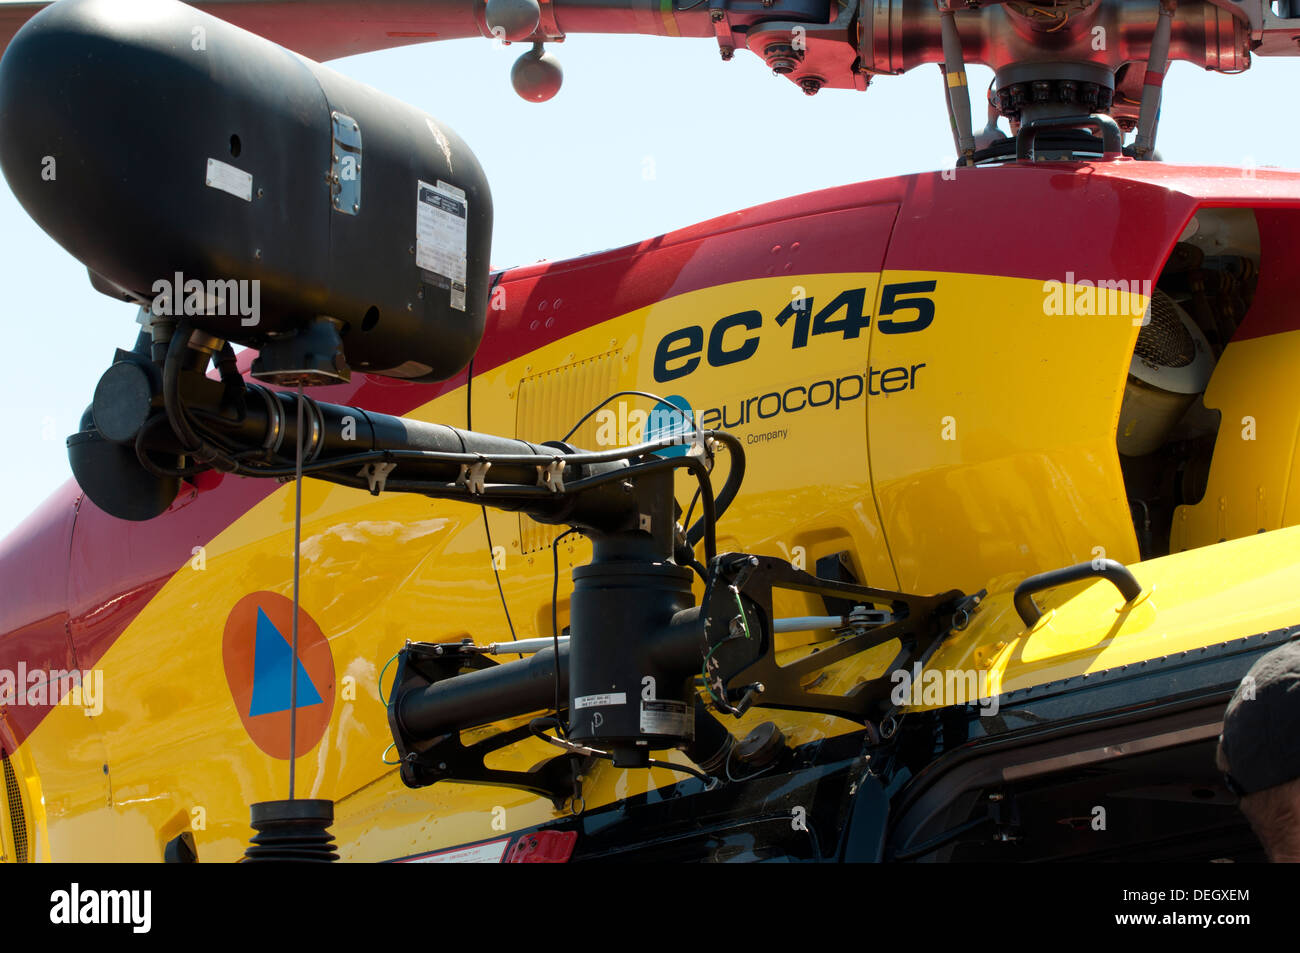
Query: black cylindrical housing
[
  {"x": 484, "y": 696},
  {"x": 626, "y": 694},
  {"x": 162, "y": 146}
]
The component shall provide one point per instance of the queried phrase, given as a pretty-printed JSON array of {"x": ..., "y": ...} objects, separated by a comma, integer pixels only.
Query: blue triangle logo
[{"x": 271, "y": 658}]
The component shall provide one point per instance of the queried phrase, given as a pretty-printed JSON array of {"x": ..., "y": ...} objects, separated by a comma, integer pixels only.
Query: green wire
[
  {"x": 744, "y": 621},
  {"x": 384, "y": 671},
  {"x": 704, "y": 669}
]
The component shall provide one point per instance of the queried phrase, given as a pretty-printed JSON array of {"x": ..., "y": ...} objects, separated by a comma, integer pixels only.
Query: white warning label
[
  {"x": 667, "y": 718},
  {"x": 441, "y": 233},
  {"x": 599, "y": 701}
]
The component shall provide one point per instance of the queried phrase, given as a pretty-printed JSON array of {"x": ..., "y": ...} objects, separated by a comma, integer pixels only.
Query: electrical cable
[
  {"x": 630, "y": 393},
  {"x": 153, "y": 468},
  {"x": 487, "y": 529},
  {"x": 382, "y": 672},
  {"x": 194, "y": 445},
  {"x": 459, "y": 457},
  {"x": 691, "y": 509},
  {"x": 749, "y": 777},
  {"x": 297, "y": 554},
  {"x": 497, "y": 573},
  {"x": 536, "y": 727},
  {"x": 555, "y": 625}
]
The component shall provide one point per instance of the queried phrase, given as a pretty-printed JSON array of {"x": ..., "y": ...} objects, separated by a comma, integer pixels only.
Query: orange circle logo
[{"x": 258, "y": 655}]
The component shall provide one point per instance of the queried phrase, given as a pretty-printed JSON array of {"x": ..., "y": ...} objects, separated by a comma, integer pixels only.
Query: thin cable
[
  {"x": 297, "y": 550},
  {"x": 500, "y": 589},
  {"x": 487, "y": 529},
  {"x": 384, "y": 671},
  {"x": 629, "y": 393},
  {"x": 537, "y": 728},
  {"x": 562, "y": 728},
  {"x": 458, "y": 457},
  {"x": 142, "y": 455},
  {"x": 691, "y": 509},
  {"x": 749, "y": 777}
]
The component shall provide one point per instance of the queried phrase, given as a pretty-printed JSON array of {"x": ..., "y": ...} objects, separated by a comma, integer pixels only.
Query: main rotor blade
[{"x": 328, "y": 29}]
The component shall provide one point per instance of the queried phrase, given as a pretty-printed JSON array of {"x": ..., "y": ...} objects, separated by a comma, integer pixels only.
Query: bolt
[
  {"x": 810, "y": 85},
  {"x": 716, "y": 15},
  {"x": 727, "y": 53}
]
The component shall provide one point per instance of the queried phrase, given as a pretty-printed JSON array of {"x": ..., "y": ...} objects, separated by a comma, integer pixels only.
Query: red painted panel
[
  {"x": 33, "y": 603},
  {"x": 1276, "y": 305}
]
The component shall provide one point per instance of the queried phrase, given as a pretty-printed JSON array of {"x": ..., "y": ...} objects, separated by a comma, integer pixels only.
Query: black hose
[
  {"x": 705, "y": 525},
  {"x": 194, "y": 445}
]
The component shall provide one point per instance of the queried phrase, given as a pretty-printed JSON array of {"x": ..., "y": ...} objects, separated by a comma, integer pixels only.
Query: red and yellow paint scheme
[{"x": 938, "y": 424}]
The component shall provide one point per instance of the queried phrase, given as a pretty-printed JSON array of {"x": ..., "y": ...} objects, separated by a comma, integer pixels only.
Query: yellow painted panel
[
  {"x": 1000, "y": 461},
  {"x": 1251, "y": 473}
]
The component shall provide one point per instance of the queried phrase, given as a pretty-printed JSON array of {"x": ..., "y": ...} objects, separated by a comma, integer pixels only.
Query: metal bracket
[
  {"x": 742, "y": 664},
  {"x": 552, "y": 475},
  {"x": 474, "y": 476},
  {"x": 703, "y": 448},
  {"x": 722, "y": 27},
  {"x": 446, "y": 757},
  {"x": 861, "y": 618},
  {"x": 376, "y": 475},
  {"x": 547, "y": 24}
]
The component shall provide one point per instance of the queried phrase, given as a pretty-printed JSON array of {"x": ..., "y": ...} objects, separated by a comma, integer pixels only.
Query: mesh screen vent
[
  {"x": 17, "y": 819},
  {"x": 1164, "y": 341}
]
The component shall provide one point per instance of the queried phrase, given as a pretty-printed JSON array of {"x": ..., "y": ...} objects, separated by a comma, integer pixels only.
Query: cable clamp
[
  {"x": 552, "y": 475},
  {"x": 376, "y": 475},
  {"x": 474, "y": 476},
  {"x": 703, "y": 447}
]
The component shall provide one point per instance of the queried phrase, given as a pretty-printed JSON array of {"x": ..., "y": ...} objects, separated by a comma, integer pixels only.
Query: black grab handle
[{"x": 1110, "y": 570}]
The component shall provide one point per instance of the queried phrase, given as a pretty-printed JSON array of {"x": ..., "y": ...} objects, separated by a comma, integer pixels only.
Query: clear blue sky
[{"x": 569, "y": 176}]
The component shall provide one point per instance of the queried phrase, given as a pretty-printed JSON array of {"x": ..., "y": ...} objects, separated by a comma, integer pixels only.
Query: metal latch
[{"x": 345, "y": 165}]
